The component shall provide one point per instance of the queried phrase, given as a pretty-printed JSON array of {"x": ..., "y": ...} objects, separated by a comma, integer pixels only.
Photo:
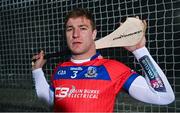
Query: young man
[{"x": 89, "y": 82}]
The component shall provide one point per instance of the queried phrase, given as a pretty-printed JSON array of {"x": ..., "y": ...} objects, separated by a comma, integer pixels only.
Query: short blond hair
[{"x": 80, "y": 12}]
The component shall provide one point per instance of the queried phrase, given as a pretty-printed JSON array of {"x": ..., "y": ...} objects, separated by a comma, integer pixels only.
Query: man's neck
[
  {"x": 85, "y": 60},
  {"x": 82, "y": 57}
]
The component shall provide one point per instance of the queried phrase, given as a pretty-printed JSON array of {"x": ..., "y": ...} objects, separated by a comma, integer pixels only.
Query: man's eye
[
  {"x": 69, "y": 29},
  {"x": 83, "y": 28}
]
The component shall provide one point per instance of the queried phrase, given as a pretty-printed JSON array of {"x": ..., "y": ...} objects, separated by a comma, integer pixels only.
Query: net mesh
[{"x": 30, "y": 25}]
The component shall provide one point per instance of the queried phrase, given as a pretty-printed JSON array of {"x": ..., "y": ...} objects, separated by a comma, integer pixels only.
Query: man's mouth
[{"x": 74, "y": 43}]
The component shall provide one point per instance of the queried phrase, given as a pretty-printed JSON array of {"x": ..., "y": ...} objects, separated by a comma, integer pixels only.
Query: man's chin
[{"x": 77, "y": 52}]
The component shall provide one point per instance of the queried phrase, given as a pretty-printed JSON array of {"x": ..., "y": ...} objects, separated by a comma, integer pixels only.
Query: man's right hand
[{"x": 39, "y": 60}]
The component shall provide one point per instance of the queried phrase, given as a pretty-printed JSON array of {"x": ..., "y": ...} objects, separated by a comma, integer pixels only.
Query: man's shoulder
[
  {"x": 112, "y": 62},
  {"x": 115, "y": 64},
  {"x": 65, "y": 63}
]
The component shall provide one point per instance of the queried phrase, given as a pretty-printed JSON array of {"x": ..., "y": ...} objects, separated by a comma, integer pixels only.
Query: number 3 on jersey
[{"x": 74, "y": 74}]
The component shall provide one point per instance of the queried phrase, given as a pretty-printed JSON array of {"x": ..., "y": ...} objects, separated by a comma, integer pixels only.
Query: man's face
[{"x": 80, "y": 36}]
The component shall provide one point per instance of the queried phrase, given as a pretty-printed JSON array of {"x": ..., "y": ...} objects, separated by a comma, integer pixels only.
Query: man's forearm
[
  {"x": 41, "y": 86},
  {"x": 155, "y": 88}
]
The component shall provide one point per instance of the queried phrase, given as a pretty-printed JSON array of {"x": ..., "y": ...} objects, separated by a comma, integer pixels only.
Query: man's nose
[{"x": 75, "y": 33}]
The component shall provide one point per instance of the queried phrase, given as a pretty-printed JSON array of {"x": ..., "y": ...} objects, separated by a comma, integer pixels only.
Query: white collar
[{"x": 80, "y": 61}]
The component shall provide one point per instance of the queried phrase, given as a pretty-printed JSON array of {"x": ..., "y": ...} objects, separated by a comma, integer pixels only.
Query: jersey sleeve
[
  {"x": 121, "y": 75},
  {"x": 129, "y": 81}
]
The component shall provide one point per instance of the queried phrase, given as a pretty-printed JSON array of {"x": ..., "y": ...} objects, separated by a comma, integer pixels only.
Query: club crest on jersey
[{"x": 91, "y": 72}]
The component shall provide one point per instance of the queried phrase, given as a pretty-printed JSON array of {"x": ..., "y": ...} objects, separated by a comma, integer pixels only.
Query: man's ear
[{"x": 94, "y": 34}]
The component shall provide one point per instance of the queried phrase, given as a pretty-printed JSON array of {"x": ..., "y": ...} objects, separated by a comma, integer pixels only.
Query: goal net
[{"x": 26, "y": 26}]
